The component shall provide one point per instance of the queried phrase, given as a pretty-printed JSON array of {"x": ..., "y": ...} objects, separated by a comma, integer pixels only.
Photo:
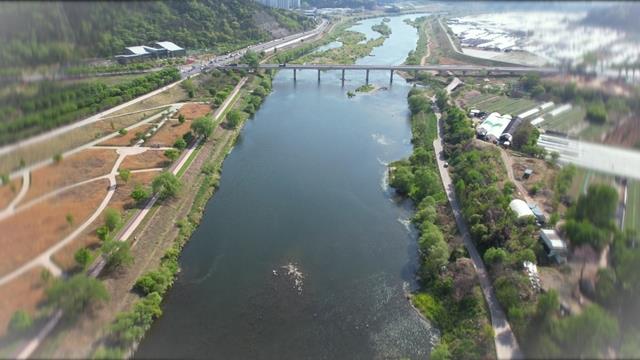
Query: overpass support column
[
  {"x": 294, "y": 74},
  {"x": 318, "y": 75},
  {"x": 367, "y": 78},
  {"x": 342, "y": 77},
  {"x": 391, "y": 76}
]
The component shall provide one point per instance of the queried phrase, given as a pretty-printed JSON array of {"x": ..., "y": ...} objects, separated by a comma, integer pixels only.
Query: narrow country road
[{"x": 505, "y": 342}]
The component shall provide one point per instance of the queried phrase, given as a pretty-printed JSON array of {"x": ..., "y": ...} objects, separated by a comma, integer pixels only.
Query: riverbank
[{"x": 449, "y": 295}]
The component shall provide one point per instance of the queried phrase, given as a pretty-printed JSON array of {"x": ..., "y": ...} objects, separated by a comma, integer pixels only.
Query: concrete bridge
[{"x": 466, "y": 70}]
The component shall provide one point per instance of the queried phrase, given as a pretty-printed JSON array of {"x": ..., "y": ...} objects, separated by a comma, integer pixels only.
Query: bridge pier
[
  {"x": 367, "y": 77},
  {"x": 391, "y": 77},
  {"x": 318, "y": 75},
  {"x": 294, "y": 74},
  {"x": 342, "y": 78}
]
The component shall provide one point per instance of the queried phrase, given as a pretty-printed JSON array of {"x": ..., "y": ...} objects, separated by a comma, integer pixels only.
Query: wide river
[{"x": 305, "y": 188}]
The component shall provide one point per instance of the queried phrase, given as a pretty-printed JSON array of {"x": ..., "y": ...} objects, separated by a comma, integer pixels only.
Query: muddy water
[{"x": 303, "y": 252}]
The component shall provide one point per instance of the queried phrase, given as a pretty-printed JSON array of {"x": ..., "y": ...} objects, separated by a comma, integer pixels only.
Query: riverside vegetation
[
  {"x": 129, "y": 327},
  {"x": 449, "y": 295}
]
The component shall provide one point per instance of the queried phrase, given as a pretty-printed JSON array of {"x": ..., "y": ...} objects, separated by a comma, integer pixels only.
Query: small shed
[
  {"x": 521, "y": 209},
  {"x": 527, "y": 173},
  {"x": 538, "y": 213},
  {"x": 554, "y": 246}
]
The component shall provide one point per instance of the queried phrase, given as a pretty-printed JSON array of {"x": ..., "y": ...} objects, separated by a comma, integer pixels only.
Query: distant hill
[
  {"x": 34, "y": 33},
  {"x": 368, "y": 4},
  {"x": 623, "y": 17}
]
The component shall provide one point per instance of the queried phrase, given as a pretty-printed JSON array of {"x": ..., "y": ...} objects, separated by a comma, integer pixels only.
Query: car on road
[
  {"x": 282, "y": 65},
  {"x": 446, "y": 164}
]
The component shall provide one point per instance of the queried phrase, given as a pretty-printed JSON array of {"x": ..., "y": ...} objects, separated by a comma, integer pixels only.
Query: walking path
[
  {"x": 33, "y": 344},
  {"x": 11, "y": 208},
  {"x": 505, "y": 342}
]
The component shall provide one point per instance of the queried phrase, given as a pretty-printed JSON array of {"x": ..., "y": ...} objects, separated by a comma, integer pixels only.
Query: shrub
[
  {"x": 75, "y": 294},
  {"x": 166, "y": 185},
  {"x": 20, "y": 321},
  {"x": 180, "y": 144}
]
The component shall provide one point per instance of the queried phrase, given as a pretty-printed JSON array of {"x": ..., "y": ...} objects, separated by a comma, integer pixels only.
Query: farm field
[
  {"x": 501, "y": 104},
  {"x": 566, "y": 121},
  {"x": 632, "y": 217}
]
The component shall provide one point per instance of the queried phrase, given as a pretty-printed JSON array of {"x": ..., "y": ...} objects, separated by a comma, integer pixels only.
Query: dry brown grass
[
  {"x": 169, "y": 133},
  {"x": 9, "y": 191},
  {"x": 173, "y": 95},
  {"x": 128, "y": 138},
  {"x": 147, "y": 160},
  {"x": 194, "y": 111},
  {"x": 81, "y": 166},
  {"x": 28, "y": 233},
  {"x": 120, "y": 201},
  {"x": 22, "y": 293}
]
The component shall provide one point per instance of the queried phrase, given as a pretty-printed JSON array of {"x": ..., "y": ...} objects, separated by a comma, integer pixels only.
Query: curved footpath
[{"x": 505, "y": 342}]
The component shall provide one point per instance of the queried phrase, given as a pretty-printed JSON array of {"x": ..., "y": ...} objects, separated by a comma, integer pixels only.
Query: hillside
[{"x": 35, "y": 33}]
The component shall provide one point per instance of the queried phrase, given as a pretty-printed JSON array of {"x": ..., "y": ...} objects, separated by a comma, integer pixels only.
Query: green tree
[
  {"x": 117, "y": 254},
  {"x": 83, "y": 257},
  {"x": 495, "y": 256},
  {"x": 124, "y": 174},
  {"x": 597, "y": 113},
  {"x": 180, "y": 144},
  {"x": 233, "y": 119},
  {"x": 251, "y": 58},
  {"x": 166, "y": 185},
  {"x": 112, "y": 219},
  {"x": 5, "y": 179},
  {"x": 57, "y": 158},
  {"x": 20, "y": 322},
  {"x": 181, "y": 119},
  {"x": 76, "y": 294},
  {"x": 598, "y": 205},
  {"x": 172, "y": 154},
  {"x": 202, "y": 126},
  {"x": 440, "y": 352},
  {"x": 123, "y": 131},
  {"x": 140, "y": 193}
]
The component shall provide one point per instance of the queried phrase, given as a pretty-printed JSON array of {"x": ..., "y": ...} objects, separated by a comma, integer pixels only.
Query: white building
[
  {"x": 493, "y": 126},
  {"x": 554, "y": 246},
  {"x": 281, "y": 4},
  {"x": 521, "y": 209}
]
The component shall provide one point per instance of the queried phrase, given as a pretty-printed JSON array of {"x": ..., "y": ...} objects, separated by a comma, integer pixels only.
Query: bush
[
  {"x": 20, "y": 322},
  {"x": 117, "y": 254},
  {"x": 180, "y": 144},
  {"x": 112, "y": 219},
  {"x": 76, "y": 294},
  {"x": 597, "y": 113},
  {"x": 124, "y": 174},
  {"x": 83, "y": 257},
  {"x": 140, "y": 193},
  {"x": 202, "y": 126},
  {"x": 172, "y": 154},
  {"x": 181, "y": 119}
]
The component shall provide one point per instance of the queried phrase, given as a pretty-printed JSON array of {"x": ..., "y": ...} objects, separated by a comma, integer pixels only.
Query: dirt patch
[
  {"x": 120, "y": 201},
  {"x": 23, "y": 293},
  {"x": 167, "y": 135},
  {"x": 31, "y": 231},
  {"x": 9, "y": 192},
  {"x": 542, "y": 180},
  {"x": 128, "y": 138},
  {"x": 626, "y": 133},
  {"x": 194, "y": 111},
  {"x": 85, "y": 165},
  {"x": 146, "y": 160}
]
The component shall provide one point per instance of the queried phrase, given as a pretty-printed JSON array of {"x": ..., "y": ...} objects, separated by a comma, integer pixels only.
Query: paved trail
[{"x": 505, "y": 342}]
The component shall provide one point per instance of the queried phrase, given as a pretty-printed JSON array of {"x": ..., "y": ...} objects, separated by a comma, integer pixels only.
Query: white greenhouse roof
[
  {"x": 520, "y": 208},
  {"x": 169, "y": 45},
  {"x": 495, "y": 124},
  {"x": 528, "y": 113}
]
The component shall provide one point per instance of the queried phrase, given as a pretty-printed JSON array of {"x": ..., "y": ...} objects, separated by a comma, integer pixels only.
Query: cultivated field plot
[
  {"x": 584, "y": 177},
  {"x": 168, "y": 133},
  {"x": 152, "y": 158},
  {"x": 501, "y": 104},
  {"x": 632, "y": 216},
  {"x": 127, "y": 139},
  {"x": 194, "y": 111},
  {"x": 84, "y": 165},
  {"x": 566, "y": 121},
  {"x": 9, "y": 191},
  {"x": 26, "y": 291},
  {"x": 121, "y": 201},
  {"x": 31, "y": 231}
]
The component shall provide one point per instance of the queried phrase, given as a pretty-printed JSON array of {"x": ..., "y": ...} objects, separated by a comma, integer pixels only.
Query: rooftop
[{"x": 169, "y": 45}]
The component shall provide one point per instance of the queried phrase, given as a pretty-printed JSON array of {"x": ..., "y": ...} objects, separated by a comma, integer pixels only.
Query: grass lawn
[{"x": 632, "y": 217}]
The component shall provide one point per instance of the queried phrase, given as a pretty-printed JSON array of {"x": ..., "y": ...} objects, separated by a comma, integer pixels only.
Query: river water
[{"x": 304, "y": 190}]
